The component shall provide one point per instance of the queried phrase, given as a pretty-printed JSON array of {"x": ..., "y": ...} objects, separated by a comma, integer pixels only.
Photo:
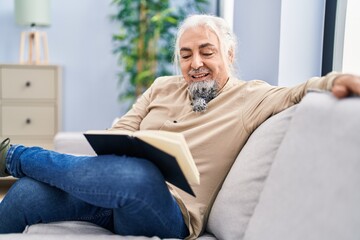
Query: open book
[{"x": 167, "y": 150}]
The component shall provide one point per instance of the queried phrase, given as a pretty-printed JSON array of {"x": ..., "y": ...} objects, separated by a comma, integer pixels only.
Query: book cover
[{"x": 167, "y": 150}]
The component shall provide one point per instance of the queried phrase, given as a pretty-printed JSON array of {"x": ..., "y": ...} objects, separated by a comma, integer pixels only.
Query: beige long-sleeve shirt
[{"x": 216, "y": 136}]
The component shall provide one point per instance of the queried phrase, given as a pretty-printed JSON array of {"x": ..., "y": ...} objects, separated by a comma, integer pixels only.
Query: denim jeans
[{"x": 123, "y": 194}]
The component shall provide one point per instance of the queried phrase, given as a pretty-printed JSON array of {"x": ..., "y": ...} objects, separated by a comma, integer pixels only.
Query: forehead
[{"x": 198, "y": 36}]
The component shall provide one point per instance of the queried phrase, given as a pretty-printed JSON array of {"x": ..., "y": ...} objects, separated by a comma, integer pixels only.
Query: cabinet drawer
[
  {"x": 28, "y": 120},
  {"x": 22, "y": 83}
]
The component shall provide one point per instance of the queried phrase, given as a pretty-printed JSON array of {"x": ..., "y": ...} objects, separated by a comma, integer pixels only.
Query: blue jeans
[{"x": 123, "y": 194}]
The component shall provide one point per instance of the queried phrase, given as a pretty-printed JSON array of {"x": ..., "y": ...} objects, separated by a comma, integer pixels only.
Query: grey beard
[{"x": 202, "y": 93}]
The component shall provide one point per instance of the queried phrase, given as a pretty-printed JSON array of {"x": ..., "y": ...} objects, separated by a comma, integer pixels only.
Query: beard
[{"x": 202, "y": 92}]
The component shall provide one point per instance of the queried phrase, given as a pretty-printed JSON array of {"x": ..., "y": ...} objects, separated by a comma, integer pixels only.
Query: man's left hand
[{"x": 345, "y": 85}]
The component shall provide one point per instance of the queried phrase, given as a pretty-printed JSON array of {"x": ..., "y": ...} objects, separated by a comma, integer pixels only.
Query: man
[{"x": 213, "y": 110}]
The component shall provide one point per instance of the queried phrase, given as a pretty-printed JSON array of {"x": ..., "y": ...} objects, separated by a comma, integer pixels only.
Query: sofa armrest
[{"x": 72, "y": 143}]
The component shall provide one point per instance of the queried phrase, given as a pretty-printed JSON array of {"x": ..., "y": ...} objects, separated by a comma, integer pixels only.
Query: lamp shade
[{"x": 32, "y": 12}]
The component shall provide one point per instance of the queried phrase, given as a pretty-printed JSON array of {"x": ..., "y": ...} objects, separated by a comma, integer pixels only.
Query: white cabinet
[{"x": 30, "y": 104}]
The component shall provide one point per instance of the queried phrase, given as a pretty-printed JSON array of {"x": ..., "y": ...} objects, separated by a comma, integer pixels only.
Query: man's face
[{"x": 200, "y": 57}]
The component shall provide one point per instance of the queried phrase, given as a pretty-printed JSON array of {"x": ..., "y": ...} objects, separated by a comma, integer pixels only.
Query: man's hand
[{"x": 345, "y": 85}]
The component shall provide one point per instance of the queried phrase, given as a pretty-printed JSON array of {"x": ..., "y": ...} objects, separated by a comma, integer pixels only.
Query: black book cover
[{"x": 104, "y": 144}]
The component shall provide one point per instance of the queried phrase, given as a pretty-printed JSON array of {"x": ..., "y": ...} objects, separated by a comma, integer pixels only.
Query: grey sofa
[{"x": 297, "y": 177}]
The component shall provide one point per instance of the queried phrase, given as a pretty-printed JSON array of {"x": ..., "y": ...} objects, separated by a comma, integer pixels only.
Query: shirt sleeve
[
  {"x": 132, "y": 119},
  {"x": 265, "y": 100}
]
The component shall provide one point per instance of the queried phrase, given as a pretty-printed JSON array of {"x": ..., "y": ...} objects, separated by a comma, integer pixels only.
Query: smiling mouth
[{"x": 200, "y": 76}]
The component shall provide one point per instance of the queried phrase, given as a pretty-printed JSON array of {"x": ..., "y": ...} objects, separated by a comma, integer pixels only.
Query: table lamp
[{"x": 34, "y": 14}]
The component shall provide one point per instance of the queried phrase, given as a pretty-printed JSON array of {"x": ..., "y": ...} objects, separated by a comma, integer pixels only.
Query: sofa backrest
[
  {"x": 297, "y": 177},
  {"x": 312, "y": 191},
  {"x": 241, "y": 190}
]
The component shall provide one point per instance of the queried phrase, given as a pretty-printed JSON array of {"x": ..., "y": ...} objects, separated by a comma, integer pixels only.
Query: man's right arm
[{"x": 132, "y": 119}]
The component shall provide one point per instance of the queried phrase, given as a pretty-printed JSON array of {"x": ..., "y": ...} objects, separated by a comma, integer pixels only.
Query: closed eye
[
  {"x": 185, "y": 56},
  {"x": 208, "y": 54}
]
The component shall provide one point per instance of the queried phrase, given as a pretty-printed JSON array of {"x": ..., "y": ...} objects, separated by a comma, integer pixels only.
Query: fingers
[
  {"x": 346, "y": 85},
  {"x": 340, "y": 91}
]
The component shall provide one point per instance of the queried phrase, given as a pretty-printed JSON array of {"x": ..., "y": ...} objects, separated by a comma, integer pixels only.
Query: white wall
[
  {"x": 301, "y": 40},
  {"x": 257, "y": 26},
  {"x": 351, "y": 52},
  {"x": 80, "y": 42},
  {"x": 280, "y": 41}
]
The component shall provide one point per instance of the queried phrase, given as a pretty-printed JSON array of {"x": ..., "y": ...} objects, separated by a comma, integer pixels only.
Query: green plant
[{"x": 144, "y": 43}]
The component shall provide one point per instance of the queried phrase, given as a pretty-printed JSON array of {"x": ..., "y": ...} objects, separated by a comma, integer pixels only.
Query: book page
[
  {"x": 168, "y": 151},
  {"x": 115, "y": 132},
  {"x": 170, "y": 142},
  {"x": 175, "y": 145}
]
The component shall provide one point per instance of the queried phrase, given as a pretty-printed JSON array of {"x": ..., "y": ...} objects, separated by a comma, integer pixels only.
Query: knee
[
  {"x": 24, "y": 204},
  {"x": 145, "y": 172},
  {"x": 26, "y": 194},
  {"x": 22, "y": 188}
]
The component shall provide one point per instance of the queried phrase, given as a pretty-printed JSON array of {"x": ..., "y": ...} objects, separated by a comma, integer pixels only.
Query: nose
[{"x": 196, "y": 62}]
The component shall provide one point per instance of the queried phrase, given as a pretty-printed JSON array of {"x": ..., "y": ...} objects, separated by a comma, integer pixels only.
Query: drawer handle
[
  {"x": 28, "y": 84},
  {"x": 28, "y": 121}
]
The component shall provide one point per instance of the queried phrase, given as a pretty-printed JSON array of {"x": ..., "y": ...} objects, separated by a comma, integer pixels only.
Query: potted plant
[{"x": 144, "y": 43}]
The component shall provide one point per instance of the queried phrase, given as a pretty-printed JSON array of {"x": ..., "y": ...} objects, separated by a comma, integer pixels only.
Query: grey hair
[{"x": 220, "y": 28}]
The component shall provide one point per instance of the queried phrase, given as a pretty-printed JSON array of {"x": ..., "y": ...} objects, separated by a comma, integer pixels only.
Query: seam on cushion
[
  {"x": 26, "y": 230},
  {"x": 275, "y": 155}
]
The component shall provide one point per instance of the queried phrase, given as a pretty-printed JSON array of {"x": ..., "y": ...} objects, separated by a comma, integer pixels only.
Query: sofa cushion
[
  {"x": 241, "y": 189},
  {"x": 78, "y": 230},
  {"x": 68, "y": 227},
  {"x": 73, "y": 143},
  {"x": 312, "y": 191},
  {"x": 74, "y": 230},
  {"x": 71, "y": 236}
]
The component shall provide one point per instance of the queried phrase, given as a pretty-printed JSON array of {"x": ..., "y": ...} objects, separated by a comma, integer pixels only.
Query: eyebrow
[{"x": 204, "y": 45}]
